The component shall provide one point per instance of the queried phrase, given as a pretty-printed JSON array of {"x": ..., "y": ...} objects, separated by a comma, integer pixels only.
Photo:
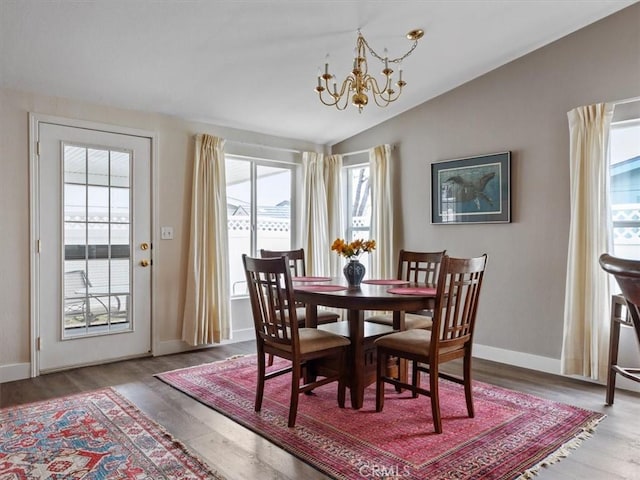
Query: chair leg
[
  {"x": 342, "y": 381},
  {"x": 611, "y": 386},
  {"x": 435, "y": 398},
  {"x": 295, "y": 394},
  {"x": 260, "y": 385},
  {"x": 415, "y": 378},
  {"x": 381, "y": 370},
  {"x": 403, "y": 372},
  {"x": 468, "y": 386},
  {"x": 270, "y": 360}
]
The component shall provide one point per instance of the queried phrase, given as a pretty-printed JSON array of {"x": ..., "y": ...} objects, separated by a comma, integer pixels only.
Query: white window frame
[
  {"x": 350, "y": 229},
  {"x": 620, "y": 223},
  {"x": 254, "y": 163}
]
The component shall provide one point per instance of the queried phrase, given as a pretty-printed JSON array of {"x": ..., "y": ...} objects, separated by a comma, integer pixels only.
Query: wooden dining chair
[
  {"x": 298, "y": 269},
  {"x": 415, "y": 267},
  {"x": 271, "y": 295},
  {"x": 451, "y": 336},
  {"x": 627, "y": 275}
]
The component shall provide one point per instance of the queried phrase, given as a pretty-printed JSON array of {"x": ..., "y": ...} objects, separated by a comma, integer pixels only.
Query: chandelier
[{"x": 359, "y": 85}]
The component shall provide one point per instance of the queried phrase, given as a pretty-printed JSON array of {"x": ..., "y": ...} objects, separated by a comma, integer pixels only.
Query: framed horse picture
[{"x": 472, "y": 190}]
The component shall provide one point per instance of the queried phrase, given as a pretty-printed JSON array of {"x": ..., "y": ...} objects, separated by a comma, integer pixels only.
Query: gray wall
[{"x": 521, "y": 107}]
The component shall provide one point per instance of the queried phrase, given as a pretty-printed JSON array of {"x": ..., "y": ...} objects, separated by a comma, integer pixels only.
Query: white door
[{"x": 94, "y": 231}]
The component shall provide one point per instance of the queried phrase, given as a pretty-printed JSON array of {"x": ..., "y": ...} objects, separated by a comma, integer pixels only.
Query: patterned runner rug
[
  {"x": 512, "y": 434},
  {"x": 95, "y": 435}
]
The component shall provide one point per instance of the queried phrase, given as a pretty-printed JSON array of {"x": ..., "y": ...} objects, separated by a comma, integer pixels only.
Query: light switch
[{"x": 166, "y": 233}]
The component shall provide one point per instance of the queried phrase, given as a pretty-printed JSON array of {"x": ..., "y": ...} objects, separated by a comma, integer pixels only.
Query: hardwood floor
[{"x": 613, "y": 452}]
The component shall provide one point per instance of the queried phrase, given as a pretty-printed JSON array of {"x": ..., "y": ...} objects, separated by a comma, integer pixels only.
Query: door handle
[
  {"x": 144, "y": 263},
  {"x": 144, "y": 246}
]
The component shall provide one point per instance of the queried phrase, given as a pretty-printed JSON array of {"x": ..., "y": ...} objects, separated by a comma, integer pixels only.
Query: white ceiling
[{"x": 252, "y": 65}]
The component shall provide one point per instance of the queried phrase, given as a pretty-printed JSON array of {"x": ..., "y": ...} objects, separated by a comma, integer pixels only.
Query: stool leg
[{"x": 616, "y": 317}]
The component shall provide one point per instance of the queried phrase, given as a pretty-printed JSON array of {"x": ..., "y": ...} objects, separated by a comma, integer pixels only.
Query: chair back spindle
[{"x": 419, "y": 267}]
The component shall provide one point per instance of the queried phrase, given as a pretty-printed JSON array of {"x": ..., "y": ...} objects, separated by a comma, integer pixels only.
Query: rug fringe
[
  {"x": 239, "y": 355},
  {"x": 564, "y": 450}
]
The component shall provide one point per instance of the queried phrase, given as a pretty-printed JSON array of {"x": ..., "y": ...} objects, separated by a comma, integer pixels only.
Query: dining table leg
[{"x": 356, "y": 352}]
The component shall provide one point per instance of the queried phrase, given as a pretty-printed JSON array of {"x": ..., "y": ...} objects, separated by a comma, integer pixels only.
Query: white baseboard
[
  {"x": 541, "y": 364},
  {"x": 517, "y": 359},
  {"x": 15, "y": 371},
  {"x": 177, "y": 346}
]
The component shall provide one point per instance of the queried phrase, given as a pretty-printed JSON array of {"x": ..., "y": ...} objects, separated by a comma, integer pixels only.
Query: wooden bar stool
[{"x": 627, "y": 274}]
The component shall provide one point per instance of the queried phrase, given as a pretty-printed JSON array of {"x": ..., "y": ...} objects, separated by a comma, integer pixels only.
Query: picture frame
[{"x": 472, "y": 190}]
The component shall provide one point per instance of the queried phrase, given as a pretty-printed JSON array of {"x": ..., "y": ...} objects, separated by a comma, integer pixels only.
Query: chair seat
[
  {"x": 314, "y": 340},
  {"x": 415, "y": 342},
  {"x": 412, "y": 321},
  {"x": 324, "y": 316}
]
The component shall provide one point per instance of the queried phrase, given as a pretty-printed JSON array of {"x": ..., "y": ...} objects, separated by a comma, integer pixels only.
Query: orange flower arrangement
[{"x": 354, "y": 249}]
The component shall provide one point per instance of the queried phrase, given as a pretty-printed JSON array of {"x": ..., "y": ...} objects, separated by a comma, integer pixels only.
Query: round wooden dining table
[{"x": 335, "y": 293}]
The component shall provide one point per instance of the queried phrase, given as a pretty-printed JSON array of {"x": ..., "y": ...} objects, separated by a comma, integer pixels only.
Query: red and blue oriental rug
[
  {"x": 511, "y": 436},
  {"x": 95, "y": 435}
]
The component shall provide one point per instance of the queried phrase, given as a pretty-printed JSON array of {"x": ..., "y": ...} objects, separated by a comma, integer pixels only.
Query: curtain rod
[
  {"x": 627, "y": 100},
  {"x": 256, "y": 145},
  {"x": 358, "y": 152}
]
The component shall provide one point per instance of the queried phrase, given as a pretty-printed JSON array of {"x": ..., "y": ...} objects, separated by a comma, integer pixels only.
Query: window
[
  {"x": 259, "y": 214},
  {"x": 625, "y": 188},
  {"x": 358, "y": 203}
]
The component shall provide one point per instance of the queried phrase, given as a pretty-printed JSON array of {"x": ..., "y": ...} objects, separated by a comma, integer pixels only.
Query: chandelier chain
[{"x": 395, "y": 60}]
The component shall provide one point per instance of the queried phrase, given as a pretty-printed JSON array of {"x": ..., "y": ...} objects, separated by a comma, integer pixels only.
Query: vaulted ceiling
[{"x": 252, "y": 65}]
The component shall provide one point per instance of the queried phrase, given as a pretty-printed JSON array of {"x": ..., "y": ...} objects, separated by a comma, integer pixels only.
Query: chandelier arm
[
  {"x": 382, "y": 97},
  {"x": 338, "y": 96},
  {"x": 373, "y": 85},
  {"x": 335, "y": 102},
  {"x": 388, "y": 99},
  {"x": 346, "y": 85},
  {"x": 377, "y": 94}
]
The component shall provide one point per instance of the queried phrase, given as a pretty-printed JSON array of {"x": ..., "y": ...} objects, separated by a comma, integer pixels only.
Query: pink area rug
[
  {"x": 95, "y": 435},
  {"x": 512, "y": 434}
]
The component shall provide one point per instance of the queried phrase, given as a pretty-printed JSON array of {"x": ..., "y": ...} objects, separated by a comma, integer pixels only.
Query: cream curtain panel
[
  {"x": 335, "y": 214},
  {"x": 382, "y": 262},
  {"x": 207, "y": 308},
  {"x": 315, "y": 220},
  {"x": 321, "y": 211},
  {"x": 586, "y": 309}
]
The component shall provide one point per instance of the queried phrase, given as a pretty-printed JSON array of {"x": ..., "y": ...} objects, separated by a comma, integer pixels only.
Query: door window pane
[{"x": 96, "y": 208}]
